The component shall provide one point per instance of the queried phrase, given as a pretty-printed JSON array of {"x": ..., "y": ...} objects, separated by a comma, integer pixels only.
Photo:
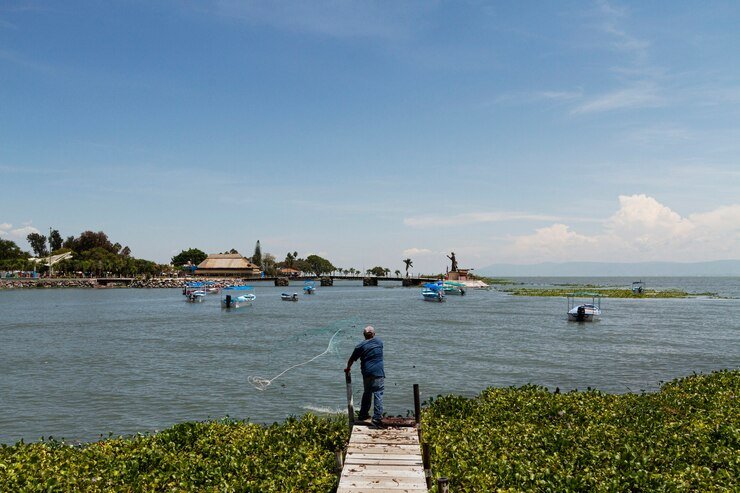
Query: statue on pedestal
[{"x": 454, "y": 261}]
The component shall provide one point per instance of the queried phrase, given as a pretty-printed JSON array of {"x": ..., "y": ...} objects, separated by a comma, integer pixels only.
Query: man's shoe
[
  {"x": 376, "y": 423},
  {"x": 363, "y": 420}
]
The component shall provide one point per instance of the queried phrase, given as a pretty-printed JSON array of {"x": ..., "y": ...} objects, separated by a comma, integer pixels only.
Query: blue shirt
[{"x": 370, "y": 354}]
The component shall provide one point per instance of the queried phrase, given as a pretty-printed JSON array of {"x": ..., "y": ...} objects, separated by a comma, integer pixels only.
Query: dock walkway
[{"x": 383, "y": 460}]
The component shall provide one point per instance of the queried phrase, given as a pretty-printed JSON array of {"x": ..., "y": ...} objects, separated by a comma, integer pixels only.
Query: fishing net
[{"x": 340, "y": 331}]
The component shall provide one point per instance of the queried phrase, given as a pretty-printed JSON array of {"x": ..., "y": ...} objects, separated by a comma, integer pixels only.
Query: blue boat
[
  {"x": 194, "y": 292},
  {"x": 237, "y": 296},
  {"x": 309, "y": 287},
  {"x": 433, "y": 292}
]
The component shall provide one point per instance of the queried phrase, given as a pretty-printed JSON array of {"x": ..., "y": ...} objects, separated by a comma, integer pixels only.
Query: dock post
[
  {"x": 350, "y": 402},
  {"x": 340, "y": 459},
  {"x": 443, "y": 485},
  {"x": 417, "y": 404},
  {"x": 426, "y": 461}
]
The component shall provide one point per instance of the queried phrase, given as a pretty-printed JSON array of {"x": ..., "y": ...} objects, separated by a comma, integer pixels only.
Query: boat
[
  {"x": 433, "y": 292},
  {"x": 309, "y": 287},
  {"x": 237, "y": 296},
  {"x": 584, "y": 312},
  {"x": 289, "y": 297},
  {"x": 454, "y": 288},
  {"x": 638, "y": 287},
  {"x": 194, "y": 292},
  {"x": 212, "y": 287}
]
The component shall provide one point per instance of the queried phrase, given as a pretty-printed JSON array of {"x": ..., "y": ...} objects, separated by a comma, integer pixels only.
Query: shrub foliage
[
  {"x": 684, "y": 438},
  {"x": 297, "y": 455}
]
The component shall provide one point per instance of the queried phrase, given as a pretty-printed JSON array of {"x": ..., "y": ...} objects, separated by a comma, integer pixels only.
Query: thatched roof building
[{"x": 227, "y": 264}]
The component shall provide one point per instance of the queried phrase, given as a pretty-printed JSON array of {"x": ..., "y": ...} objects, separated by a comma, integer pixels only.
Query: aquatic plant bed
[
  {"x": 605, "y": 292},
  {"x": 297, "y": 455},
  {"x": 686, "y": 437}
]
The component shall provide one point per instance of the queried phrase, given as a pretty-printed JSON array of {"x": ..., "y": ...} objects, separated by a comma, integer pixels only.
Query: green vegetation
[
  {"x": 317, "y": 265},
  {"x": 493, "y": 280},
  {"x": 684, "y": 438},
  {"x": 606, "y": 292},
  {"x": 191, "y": 255},
  {"x": 297, "y": 455}
]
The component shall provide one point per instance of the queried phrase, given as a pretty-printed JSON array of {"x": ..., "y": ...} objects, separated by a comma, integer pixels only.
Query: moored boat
[
  {"x": 454, "y": 288},
  {"x": 194, "y": 292},
  {"x": 309, "y": 287},
  {"x": 583, "y": 311},
  {"x": 433, "y": 292},
  {"x": 237, "y": 296},
  {"x": 289, "y": 297}
]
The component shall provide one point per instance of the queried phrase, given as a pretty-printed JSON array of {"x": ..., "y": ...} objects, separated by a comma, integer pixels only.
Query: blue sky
[{"x": 369, "y": 132}]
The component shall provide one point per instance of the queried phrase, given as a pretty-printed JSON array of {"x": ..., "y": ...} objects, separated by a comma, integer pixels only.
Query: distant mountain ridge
[{"x": 719, "y": 268}]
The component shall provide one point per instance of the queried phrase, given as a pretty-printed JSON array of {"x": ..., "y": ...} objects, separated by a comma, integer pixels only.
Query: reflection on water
[{"x": 80, "y": 363}]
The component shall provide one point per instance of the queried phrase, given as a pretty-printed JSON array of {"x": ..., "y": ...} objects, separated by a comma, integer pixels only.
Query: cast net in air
[{"x": 337, "y": 329}]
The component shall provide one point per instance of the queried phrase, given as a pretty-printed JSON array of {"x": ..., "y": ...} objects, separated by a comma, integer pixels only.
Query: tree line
[
  {"x": 93, "y": 254},
  {"x": 268, "y": 263}
]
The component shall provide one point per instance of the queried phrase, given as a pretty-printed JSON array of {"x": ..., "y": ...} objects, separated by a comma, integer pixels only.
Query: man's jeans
[{"x": 373, "y": 388}]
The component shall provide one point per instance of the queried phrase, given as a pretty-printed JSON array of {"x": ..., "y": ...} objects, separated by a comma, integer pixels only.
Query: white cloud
[
  {"x": 642, "y": 229},
  {"x": 415, "y": 252},
  {"x": 7, "y": 230},
  {"x": 639, "y": 96}
]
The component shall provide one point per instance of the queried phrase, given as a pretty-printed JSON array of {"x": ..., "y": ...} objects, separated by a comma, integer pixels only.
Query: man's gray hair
[{"x": 369, "y": 330}]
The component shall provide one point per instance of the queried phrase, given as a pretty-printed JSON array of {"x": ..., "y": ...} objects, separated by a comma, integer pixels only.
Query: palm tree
[
  {"x": 397, "y": 273},
  {"x": 409, "y": 264}
]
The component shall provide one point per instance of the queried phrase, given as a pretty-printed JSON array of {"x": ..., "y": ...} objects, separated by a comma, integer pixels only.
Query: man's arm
[{"x": 352, "y": 359}]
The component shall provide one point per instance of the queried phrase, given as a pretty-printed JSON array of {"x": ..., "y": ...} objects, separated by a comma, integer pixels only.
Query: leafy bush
[
  {"x": 684, "y": 438},
  {"x": 297, "y": 455}
]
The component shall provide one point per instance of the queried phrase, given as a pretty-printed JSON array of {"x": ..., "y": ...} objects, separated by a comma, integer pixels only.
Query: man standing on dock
[{"x": 370, "y": 354}]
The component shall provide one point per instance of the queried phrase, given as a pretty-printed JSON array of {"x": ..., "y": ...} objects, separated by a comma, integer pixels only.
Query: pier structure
[{"x": 384, "y": 459}]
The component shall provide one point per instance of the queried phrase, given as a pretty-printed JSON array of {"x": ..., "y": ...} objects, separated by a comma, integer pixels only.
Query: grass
[{"x": 606, "y": 292}]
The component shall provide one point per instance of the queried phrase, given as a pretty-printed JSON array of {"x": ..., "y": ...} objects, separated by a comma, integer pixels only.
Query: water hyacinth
[{"x": 686, "y": 437}]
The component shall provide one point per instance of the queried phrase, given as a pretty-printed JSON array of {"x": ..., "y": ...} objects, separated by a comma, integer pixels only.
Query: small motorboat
[
  {"x": 194, "y": 292},
  {"x": 237, "y": 296},
  {"x": 638, "y": 287},
  {"x": 454, "y": 288},
  {"x": 433, "y": 292},
  {"x": 289, "y": 297},
  {"x": 309, "y": 287},
  {"x": 584, "y": 312}
]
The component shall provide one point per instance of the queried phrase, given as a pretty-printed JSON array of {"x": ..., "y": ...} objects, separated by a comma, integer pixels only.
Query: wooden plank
[
  {"x": 395, "y": 447},
  {"x": 389, "y": 440},
  {"x": 381, "y": 490},
  {"x": 381, "y": 456},
  {"x": 399, "y": 475},
  {"x": 369, "y": 483}
]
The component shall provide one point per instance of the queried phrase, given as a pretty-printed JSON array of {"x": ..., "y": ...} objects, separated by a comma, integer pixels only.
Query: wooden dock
[{"x": 383, "y": 461}]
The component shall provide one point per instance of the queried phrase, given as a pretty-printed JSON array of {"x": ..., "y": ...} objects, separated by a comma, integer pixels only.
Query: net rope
[{"x": 261, "y": 383}]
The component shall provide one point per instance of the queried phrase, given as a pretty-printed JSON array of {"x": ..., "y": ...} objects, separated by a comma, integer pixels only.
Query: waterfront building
[{"x": 227, "y": 264}]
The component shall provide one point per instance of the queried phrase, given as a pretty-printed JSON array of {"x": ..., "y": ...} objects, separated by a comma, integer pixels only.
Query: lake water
[{"x": 78, "y": 364}]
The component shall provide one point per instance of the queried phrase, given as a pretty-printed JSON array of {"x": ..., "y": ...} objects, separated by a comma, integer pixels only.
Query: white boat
[
  {"x": 582, "y": 311},
  {"x": 237, "y": 296},
  {"x": 433, "y": 292},
  {"x": 289, "y": 297},
  {"x": 309, "y": 287},
  {"x": 454, "y": 288},
  {"x": 638, "y": 287},
  {"x": 194, "y": 292}
]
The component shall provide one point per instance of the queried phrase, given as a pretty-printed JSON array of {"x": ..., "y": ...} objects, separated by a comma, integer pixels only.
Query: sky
[{"x": 370, "y": 132}]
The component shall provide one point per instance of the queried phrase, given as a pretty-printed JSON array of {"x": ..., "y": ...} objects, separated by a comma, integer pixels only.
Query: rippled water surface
[{"x": 80, "y": 363}]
